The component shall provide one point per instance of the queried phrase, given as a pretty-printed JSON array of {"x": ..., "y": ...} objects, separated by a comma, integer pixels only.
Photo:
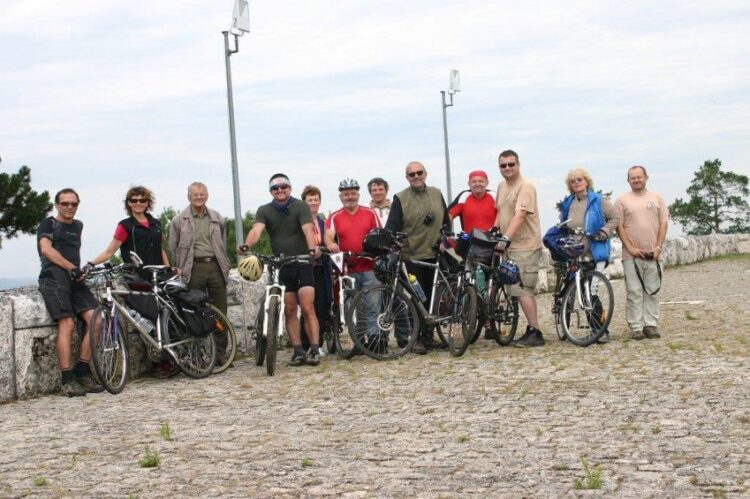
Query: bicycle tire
[
  {"x": 457, "y": 314},
  {"x": 225, "y": 339},
  {"x": 108, "y": 339},
  {"x": 345, "y": 346},
  {"x": 503, "y": 315},
  {"x": 194, "y": 355},
  {"x": 557, "y": 314},
  {"x": 382, "y": 343},
  {"x": 260, "y": 340},
  {"x": 272, "y": 340},
  {"x": 584, "y": 323}
]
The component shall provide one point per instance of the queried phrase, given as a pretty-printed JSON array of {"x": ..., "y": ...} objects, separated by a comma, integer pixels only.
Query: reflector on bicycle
[{"x": 338, "y": 260}]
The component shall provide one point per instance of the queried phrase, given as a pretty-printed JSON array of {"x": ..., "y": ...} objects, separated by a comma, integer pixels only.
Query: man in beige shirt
[
  {"x": 518, "y": 219},
  {"x": 642, "y": 228}
]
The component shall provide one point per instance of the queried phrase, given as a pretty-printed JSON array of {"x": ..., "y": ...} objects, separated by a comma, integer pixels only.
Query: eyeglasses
[
  {"x": 506, "y": 165},
  {"x": 138, "y": 201},
  {"x": 276, "y": 187},
  {"x": 416, "y": 174},
  {"x": 68, "y": 204},
  {"x": 579, "y": 179}
]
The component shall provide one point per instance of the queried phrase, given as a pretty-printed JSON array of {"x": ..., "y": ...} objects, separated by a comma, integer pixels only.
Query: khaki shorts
[{"x": 528, "y": 263}]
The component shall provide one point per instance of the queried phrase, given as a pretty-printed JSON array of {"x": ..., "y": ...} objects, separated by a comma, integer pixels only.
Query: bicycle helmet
[
  {"x": 572, "y": 246},
  {"x": 174, "y": 286},
  {"x": 250, "y": 268},
  {"x": 508, "y": 273},
  {"x": 348, "y": 183},
  {"x": 553, "y": 241}
]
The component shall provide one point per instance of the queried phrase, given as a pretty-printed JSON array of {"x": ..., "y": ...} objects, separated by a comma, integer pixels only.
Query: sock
[
  {"x": 67, "y": 376},
  {"x": 298, "y": 350},
  {"x": 82, "y": 369},
  {"x": 314, "y": 347}
]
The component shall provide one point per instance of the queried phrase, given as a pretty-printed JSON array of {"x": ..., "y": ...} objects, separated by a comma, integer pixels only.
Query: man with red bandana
[{"x": 476, "y": 205}]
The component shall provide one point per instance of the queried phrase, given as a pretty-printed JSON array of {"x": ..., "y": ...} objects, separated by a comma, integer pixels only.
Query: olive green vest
[{"x": 415, "y": 205}]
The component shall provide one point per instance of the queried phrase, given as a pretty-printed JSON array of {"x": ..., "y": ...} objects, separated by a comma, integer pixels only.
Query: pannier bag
[
  {"x": 144, "y": 305},
  {"x": 198, "y": 317}
]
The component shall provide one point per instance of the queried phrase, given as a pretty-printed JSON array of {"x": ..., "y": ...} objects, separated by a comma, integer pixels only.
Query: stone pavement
[{"x": 657, "y": 418}]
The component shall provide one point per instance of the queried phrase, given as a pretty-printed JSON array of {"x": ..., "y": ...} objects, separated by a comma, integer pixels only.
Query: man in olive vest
[{"x": 420, "y": 212}]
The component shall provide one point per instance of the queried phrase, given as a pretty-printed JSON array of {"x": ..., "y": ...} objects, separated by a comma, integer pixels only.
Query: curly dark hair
[{"x": 139, "y": 190}]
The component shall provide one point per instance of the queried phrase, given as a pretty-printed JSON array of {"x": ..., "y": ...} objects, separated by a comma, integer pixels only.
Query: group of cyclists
[{"x": 198, "y": 242}]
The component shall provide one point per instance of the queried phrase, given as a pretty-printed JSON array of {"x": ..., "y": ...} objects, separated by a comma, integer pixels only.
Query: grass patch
[
  {"x": 306, "y": 462},
  {"x": 592, "y": 478},
  {"x": 165, "y": 431},
  {"x": 689, "y": 316},
  {"x": 150, "y": 459},
  {"x": 39, "y": 481},
  {"x": 462, "y": 439}
]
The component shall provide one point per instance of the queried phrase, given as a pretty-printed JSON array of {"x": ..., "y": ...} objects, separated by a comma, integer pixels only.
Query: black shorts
[
  {"x": 62, "y": 296},
  {"x": 296, "y": 275}
]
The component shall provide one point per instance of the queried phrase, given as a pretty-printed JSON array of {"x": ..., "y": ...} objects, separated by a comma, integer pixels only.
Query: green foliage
[
  {"x": 150, "y": 459},
  {"x": 165, "y": 431},
  {"x": 21, "y": 207},
  {"x": 165, "y": 219},
  {"x": 716, "y": 202},
  {"x": 263, "y": 246},
  {"x": 592, "y": 479},
  {"x": 307, "y": 462},
  {"x": 39, "y": 481}
]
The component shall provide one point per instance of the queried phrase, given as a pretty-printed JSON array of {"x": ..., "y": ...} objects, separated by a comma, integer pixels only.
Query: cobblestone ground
[{"x": 652, "y": 418}]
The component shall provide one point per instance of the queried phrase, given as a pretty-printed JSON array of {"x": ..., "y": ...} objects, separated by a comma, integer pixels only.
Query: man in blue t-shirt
[{"x": 64, "y": 293}]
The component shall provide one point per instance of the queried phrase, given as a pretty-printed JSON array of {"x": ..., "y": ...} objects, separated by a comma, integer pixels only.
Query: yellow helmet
[{"x": 250, "y": 268}]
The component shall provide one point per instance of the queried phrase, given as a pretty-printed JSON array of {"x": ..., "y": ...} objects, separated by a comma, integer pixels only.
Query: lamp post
[
  {"x": 454, "y": 86},
  {"x": 240, "y": 26}
]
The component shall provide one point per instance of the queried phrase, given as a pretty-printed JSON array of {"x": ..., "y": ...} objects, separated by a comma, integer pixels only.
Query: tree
[
  {"x": 165, "y": 219},
  {"x": 263, "y": 246},
  {"x": 21, "y": 207},
  {"x": 716, "y": 202}
]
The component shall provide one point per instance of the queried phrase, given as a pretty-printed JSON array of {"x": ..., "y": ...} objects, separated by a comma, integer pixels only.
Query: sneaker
[
  {"x": 89, "y": 384},
  {"x": 531, "y": 338},
  {"x": 72, "y": 389},
  {"x": 651, "y": 332},
  {"x": 636, "y": 335},
  {"x": 298, "y": 359},
  {"x": 525, "y": 336},
  {"x": 419, "y": 348},
  {"x": 322, "y": 352},
  {"x": 604, "y": 338},
  {"x": 313, "y": 359}
]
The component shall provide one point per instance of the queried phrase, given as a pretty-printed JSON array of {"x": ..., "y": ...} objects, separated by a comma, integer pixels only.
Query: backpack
[{"x": 198, "y": 316}]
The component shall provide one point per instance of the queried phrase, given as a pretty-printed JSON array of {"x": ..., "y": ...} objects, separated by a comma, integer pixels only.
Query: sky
[{"x": 106, "y": 94}]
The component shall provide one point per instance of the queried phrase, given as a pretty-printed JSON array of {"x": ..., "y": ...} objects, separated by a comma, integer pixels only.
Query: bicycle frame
[{"x": 274, "y": 288}]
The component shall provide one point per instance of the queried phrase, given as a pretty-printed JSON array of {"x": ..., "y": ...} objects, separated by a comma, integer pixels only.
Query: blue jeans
[{"x": 372, "y": 301}]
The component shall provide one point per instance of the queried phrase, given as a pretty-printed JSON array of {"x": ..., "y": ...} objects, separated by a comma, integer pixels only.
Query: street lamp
[
  {"x": 240, "y": 26},
  {"x": 454, "y": 86}
]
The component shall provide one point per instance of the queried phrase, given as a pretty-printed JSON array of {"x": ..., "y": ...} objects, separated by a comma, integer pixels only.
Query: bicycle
[
  {"x": 583, "y": 299},
  {"x": 270, "y": 325},
  {"x": 386, "y": 318},
  {"x": 195, "y": 355}
]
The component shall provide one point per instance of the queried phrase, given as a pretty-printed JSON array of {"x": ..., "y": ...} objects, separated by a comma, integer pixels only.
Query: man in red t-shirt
[
  {"x": 476, "y": 205},
  {"x": 349, "y": 226}
]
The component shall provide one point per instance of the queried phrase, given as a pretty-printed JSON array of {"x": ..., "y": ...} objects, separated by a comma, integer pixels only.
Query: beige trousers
[{"x": 641, "y": 308}]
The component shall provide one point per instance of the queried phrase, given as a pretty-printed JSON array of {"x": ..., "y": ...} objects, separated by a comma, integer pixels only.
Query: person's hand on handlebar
[
  {"x": 315, "y": 252},
  {"x": 334, "y": 248}
]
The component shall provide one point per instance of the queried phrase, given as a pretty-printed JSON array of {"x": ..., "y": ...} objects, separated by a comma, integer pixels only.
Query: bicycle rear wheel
[
  {"x": 225, "y": 339},
  {"x": 503, "y": 314},
  {"x": 383, "y": 322},
  {"x": 456, "y": 315},
  {"x": 272, "y": 340},
  {"x": 195, "y": 356},
  {"x": 585, "y": 320},
  {"x": 109, "y": 348}
]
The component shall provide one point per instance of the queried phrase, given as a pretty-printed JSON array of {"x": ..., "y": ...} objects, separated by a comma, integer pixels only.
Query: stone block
[
  {"x": 29, "y": 309},
  {"x": 37, "y": 370},
  {"x": 7, "y": 355}
]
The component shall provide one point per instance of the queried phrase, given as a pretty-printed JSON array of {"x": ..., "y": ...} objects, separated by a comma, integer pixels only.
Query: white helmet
[
  {"x": 250, "y": 268},
  {"x": 348, "y": 183}
]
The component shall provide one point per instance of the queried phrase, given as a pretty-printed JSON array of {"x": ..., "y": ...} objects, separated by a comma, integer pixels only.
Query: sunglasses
[
  {"x": 68, "y": 204},
  {"x": 507, "y": 165},
  {"x": 276, "y": 187},
  {"x": 416, "y": 174},
  {"x": 138, "y": 200}
]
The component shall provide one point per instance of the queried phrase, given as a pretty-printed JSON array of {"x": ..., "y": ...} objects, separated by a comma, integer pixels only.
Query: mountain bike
[
  {"x": 195, "y": 355},
  {"x": 386, "y": 318},
  {"x": 270, "y": 325},
  {"x": 583, "y": 299}
]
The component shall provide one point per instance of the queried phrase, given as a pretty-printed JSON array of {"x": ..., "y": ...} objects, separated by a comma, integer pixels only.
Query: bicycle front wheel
[
  {"x": 225, "y": 339},
  {"x": 586, "y": 319},
  {"x": 272, "y": 340},
  {"x": 383, "y": 322},
  {"x": 503, "y": 315},
  {"x": 457, "y": 313},
  {"x": 260, "y": 340},
  {"x": 195, "y": 356},
  {"x": 342, "y": 334},
  {"x": 108, "y": 339}
]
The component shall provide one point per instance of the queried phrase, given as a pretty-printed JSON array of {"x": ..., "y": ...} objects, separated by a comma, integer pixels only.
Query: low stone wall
[{"x": 28, "y": 364}]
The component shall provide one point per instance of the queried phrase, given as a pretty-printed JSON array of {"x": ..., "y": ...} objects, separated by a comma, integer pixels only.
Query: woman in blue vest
[{"x": 594, "y": 213}]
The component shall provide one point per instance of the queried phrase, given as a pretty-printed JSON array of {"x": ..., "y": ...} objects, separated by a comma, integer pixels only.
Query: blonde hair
[{"x": 576, "y": 173}]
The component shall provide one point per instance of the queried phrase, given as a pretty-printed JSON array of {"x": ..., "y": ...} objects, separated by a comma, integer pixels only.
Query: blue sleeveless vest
[{"x": 593, "y": 220}]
